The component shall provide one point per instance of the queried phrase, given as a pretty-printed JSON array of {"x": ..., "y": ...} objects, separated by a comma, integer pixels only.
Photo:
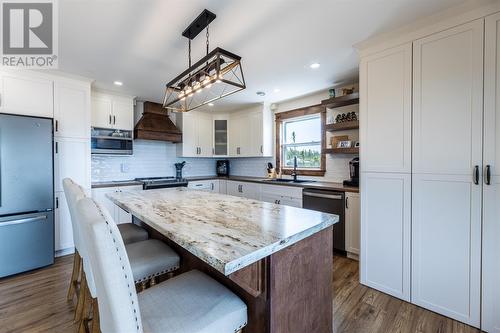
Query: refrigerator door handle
[{"x": 21, "y": 221}]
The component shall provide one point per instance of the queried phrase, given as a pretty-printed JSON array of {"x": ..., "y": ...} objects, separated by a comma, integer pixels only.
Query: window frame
[{"x": 282, "y": 117}]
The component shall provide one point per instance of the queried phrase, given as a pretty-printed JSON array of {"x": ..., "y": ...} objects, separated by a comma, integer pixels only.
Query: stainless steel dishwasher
[{"x": 328, "y": 202}]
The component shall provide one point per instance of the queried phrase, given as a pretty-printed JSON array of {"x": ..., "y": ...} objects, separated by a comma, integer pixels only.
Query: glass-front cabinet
[{"x": 220, "y": 137}]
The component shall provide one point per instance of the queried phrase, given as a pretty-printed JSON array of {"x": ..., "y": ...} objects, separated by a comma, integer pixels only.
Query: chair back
[
  {"x": 118, "y": 306},
  {"x": 73, "y": 192}
]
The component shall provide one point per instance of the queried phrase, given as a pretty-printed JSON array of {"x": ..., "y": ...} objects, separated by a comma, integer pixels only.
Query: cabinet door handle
[
  {"x": 57, "y": 125},
  {"x": 114, "y": 120},
  {"x": 347, "y": 202},
  {"x": 487, "y": 179},
  {"x": 110, "y": 119},
  {"x": 476, "y": 174},
  {"x": 212, "y": 186},
  {"x": 57, "y": 147},
  {"x": 57, "y": 202},
  {"x": 261, "y": 149},
  {"x": 200, "y": 150}
]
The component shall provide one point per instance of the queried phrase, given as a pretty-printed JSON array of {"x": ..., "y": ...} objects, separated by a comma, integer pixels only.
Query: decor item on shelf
[
  {"x": 347, "y": 91},
  {"x": 344, "y": 144},
  {"x": 331, "y": 92},
  {"x": 178, "y": 169},
  {"x": 356, "y": 144},
  {"x": 343, "y": 117},
  {"x": 216, "y": 75},
  {"x": 338, "y": 138}
]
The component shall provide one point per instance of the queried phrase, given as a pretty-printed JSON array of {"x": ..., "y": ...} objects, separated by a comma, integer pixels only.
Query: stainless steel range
[{"x": 161, "y": 182}]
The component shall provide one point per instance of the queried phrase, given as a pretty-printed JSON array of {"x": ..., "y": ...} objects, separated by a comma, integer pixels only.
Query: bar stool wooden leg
[
  {"x": 77, "y": 263},
  {"x": 95, "y": 317},
  {"x": 81, "y": 299}
]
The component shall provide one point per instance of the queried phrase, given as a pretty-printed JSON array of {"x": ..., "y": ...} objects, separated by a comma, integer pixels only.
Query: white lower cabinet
[
  {"x": 243, "y": 189},
  {"x": 63, "y": 229},
  {"x": 282, "y": 195},
  {"x": 118, "y": 214},
  {"x": 385, "y": 232},
  {"x": 211, "y": 185},
  {"x": 352, "y": 223}
]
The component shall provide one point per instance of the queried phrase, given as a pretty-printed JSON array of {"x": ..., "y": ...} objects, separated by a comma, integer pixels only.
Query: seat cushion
[
  {"x": 150, "y": 258},
  {"x": 132, "y": 233},
  {"x": 191, "y": 303}
]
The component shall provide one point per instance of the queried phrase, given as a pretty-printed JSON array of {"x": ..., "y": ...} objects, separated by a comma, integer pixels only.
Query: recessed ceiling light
[
  {"x": 276, "y": 90},
  {"x": 314, "y": 65},
  {"x": 118, "y": 83},
  {"x": 210, "y": 104},
  {"x": 261, "y": 93}
]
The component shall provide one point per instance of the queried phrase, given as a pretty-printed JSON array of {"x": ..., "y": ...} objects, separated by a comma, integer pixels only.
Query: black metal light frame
[{"x": 216, "y": 75}]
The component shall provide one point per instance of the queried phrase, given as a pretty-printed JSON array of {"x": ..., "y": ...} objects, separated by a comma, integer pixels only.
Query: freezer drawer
[{"x": 26, "y": 242}]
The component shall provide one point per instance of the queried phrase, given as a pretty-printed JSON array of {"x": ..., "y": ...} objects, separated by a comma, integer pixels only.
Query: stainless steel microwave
[{"x": 111, "y": 142}]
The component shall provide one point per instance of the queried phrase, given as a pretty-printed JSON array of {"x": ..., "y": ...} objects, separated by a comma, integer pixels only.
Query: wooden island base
[{"x": 290, "y": 291}]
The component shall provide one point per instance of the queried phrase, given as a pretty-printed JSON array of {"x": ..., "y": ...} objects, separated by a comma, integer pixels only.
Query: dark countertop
[
  {"x": 115, "y": 183},
  {"x": 317, "y": 184}
]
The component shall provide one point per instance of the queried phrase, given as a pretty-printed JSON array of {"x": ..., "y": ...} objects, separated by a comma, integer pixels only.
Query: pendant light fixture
[{"x": 217, "y": 75}]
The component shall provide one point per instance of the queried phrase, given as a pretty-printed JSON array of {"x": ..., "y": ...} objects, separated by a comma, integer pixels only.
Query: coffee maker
[
  {"x": 354, "y": 171},
  {"x": 222, "y": 168}
]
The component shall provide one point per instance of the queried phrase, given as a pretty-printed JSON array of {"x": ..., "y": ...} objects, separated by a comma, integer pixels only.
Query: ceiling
[{"x": 140, "y": 42}]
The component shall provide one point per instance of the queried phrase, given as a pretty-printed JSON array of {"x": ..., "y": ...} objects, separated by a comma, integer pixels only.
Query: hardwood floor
[{"x": 36, "y": 302}]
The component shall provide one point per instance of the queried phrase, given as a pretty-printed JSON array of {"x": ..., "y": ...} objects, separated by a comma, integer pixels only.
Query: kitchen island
[{"x": 278, "y": 259}]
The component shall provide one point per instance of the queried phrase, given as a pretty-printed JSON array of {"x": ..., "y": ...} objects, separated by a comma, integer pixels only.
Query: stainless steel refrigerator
[{"x": 26, "y": 194}]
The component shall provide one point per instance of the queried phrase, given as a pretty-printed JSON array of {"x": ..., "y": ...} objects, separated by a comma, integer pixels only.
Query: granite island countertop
[{"x": 225, "y": 231}]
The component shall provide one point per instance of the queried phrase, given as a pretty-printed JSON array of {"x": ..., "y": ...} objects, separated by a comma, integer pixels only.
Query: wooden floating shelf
[
  {"x": 354, "y": 150},
  {"x": 347, "y": 125},
  {"x": 336, "y": 102}
]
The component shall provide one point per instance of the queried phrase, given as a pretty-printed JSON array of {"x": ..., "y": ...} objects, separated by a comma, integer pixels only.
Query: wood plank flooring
[{"x": 36, "y": 302}]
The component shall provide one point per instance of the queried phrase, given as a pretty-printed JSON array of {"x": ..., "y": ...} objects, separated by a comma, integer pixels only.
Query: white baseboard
[{"x": 64, "y": 252}]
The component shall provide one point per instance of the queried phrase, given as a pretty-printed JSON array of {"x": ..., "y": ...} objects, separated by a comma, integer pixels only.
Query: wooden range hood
[{"x": 155, "y": 124}]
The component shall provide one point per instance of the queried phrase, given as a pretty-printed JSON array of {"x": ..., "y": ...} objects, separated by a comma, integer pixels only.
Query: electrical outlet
[{"x": 125, "y": 167}]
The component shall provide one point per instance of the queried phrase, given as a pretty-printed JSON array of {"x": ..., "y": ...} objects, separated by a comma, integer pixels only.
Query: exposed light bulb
[{"x": 314, "y": 65}]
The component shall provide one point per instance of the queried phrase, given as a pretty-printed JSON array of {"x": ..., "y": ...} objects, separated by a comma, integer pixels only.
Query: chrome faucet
[{"x": 294, "y": 172}]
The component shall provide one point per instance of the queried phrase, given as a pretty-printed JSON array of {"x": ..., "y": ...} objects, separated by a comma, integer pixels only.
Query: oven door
[{"x": 112, "y": 145}]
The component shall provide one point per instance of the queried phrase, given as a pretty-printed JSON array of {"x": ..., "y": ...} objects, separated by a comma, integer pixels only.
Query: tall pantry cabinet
[
  {"x": 490, "y": 315},
  {"x": 430, "y": 216}
]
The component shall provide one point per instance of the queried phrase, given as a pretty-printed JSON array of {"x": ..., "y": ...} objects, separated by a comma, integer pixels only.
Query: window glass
[{"x": 302, "y": 139}]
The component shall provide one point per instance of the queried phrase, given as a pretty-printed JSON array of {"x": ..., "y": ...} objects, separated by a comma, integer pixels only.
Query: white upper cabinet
[
  {"x": 447, "y": 153},
  {"x": 197, "y": 137},
  {"x": 71, "y": 109},
  {"x": 26, "y": 94},
  {"x": 385, "y": 110},
  {"x": 448, "y": 101},
  {"x": 112, "y": 111},
  {"x": 491, "y": 187},
  {"x": 123, "y": 114},
  {"x": 250, "y": 133}
]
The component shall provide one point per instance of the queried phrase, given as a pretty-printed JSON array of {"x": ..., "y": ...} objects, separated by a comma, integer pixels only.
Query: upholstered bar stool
[
  {"x": 189, "y": 303},
  {"x": 151, "y": 258},
  {"x": 130, "y": 233}
]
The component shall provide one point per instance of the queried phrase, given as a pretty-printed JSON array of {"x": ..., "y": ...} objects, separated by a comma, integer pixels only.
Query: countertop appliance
[
  {"x": 111, "y": 142},
  {"x": 354, "y": 172},
  {"x": 222, "y": 168},
  {"x": 26, "y": 194},
  {"x": 328, "y": 202},
  {"x": 151, "y": 183}
]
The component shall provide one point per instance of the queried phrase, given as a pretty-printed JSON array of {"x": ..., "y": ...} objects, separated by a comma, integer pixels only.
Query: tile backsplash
[
  {"x": 157, "y": 158},
  {"x": 150, "y": 159}
]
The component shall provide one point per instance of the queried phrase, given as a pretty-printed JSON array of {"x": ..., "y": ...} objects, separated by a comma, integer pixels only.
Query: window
[
  {"x": 301, "y": 135},
  {"x": 302, "y": 139}
]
